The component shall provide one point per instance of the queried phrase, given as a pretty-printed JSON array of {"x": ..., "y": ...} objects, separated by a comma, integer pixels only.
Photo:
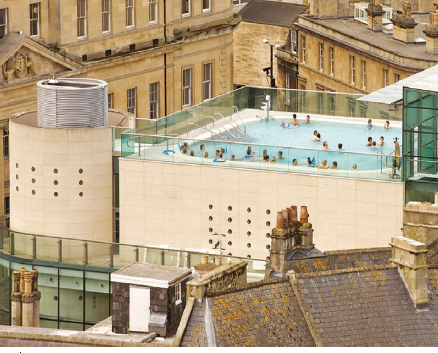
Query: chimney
[
  {"x": 410, "y": 256},
  {"x": 431, "y": 31},
  {"x": 288, "y": 235},
  {"x": 404, "y": 24},
  {"x": 375, "y": 13}
]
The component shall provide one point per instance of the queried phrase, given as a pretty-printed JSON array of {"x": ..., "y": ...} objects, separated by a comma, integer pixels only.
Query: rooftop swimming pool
[{"x": 352, "y": 134}]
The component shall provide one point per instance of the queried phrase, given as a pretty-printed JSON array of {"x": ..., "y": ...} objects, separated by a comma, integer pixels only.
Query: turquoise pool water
[{"x": 353, "y": 137}]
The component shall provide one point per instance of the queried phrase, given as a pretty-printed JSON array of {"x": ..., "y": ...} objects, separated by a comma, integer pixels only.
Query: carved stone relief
[{"x": 19, "y": 66}]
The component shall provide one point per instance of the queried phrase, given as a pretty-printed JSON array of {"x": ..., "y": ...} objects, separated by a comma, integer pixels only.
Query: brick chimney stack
[
  {"x": 431, "y": 31},
  {"x": 404, "y": 24},
  {"x": 375, "y": 13},
  {"x": 410, "y": 256}
]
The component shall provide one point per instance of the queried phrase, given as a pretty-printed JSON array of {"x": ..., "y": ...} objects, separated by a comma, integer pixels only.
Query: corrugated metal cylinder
[{"x": 72, "y": 103}]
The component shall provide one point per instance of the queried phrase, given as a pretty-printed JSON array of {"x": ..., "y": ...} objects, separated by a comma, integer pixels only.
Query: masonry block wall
[
  {"x": 120, "y": 315},
  {"x": 175, "y": 311},
  {"x": 251, "y": 55}
]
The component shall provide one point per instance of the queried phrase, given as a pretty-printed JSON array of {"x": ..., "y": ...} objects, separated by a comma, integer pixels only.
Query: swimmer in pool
[
  {"x": 374, "y": 145},
  {"x": 325, "y": 145},
  {"x": 266, "y": 158},
  {"x": 307, "y": 119},
  {"x": 273, "y": 160},
  {"x": 192, "y": 153},
  {"x": 233, "y": 157},
  {"x": 324, "y": 164},
  {"x": 282, "y": 124},
  {"x": 206, "y": 155},
  {"x": 370, "y": 125},
  {"x": 340, "y": 147},
  {"x": 221, "y": 156},
  {"x": 334, "y": 165},
  {"x": 354, "y": 166},
  {"x": 309, "y": 162},
  {"x": 370, "y": 142},
  {"x": 280, "y": 155},
  {"x": 381, "y": 142},
  {"x": 248, "y": 152},
  {"x": 386, "y": 126},
  {"x": 294, "y": 162},
  {"x": 202, "y": 147},
  {"x": 217, "y": 153},
  {"x": 265, "y": 153},
  {"x": 315, "y": 136},
  {"x": 222, "y": 150},
  {"x": 294, "y": 120}
]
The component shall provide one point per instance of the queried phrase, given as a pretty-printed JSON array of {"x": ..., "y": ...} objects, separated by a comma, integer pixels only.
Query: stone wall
[
  {"x": 175, "y": 311},
  {"x": 420, "y": 221},
  {"x": 120, "y": 317},
  {"x": 251, "y": 55}
]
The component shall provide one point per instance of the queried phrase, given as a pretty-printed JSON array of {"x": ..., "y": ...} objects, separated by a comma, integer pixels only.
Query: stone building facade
[
  {"x": 337, "y": 52},
  {"x": 158, "y": 57}
]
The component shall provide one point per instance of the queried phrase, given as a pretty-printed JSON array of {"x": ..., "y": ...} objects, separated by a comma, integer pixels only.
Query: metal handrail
[
  {"x": 229, "y": 122},
  {"x": 237, "y": 111},
  {"x": 212, "y": 132},
  {"x": 235, "y": 137},
  {"x": 276, "y": 146}
]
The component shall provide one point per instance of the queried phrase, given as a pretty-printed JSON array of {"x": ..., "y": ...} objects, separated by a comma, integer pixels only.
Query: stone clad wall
[
  {"x": 251, "y": 55},
  {"x": 120, "y": 317}
]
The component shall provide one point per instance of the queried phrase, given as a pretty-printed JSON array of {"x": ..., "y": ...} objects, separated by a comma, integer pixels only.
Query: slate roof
[
  {"x": 348, "y": 298},
  {"x": 271, "y": 12},
  {"x": 342, "y": 259}
]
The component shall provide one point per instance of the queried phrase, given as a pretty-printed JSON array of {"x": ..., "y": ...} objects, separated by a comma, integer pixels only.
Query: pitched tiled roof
[
  {"x": 337, "y": 260},
  {"x": 271, "y": 12},
  {"x": 195, "y": 335},
  {"x": 368, "y": 308},
  {"x": 264, "y": 315}
]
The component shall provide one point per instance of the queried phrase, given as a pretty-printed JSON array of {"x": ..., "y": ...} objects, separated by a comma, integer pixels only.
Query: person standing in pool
[
  {"x": 354, "y": 166},
  {"x": 294, "y": 162},
  {"x": 206, "y": 155},
  {"x": 325, "y": 145},
  {"x": 370, "y": 125},
  {"x": 381, "y": 142},
  {"x": 315, "y": 136},
  {"x": 282, "y": 124},
  {"x": 307, "y": 119},
  {"x": 324, "y": 164},
  {"x": 370, "y": 142},
  {"x": 386, "y": 126},
  {"x": 266, "y": 158},
  {"x": 233, "y": 157},
  {"x": 309, "y": 163},
  {"x": 340, "y": 147},
  {"x": 280, "y": 155},
  {"x": 334, "y": 165},
  {"x": 294, "y": 120}
]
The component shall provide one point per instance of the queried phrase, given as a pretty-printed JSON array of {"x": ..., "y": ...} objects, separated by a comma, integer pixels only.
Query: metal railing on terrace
[{"x": 106, "y": 254}]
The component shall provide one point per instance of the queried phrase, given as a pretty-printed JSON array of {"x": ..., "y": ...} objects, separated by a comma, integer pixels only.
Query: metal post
[
  {"x": 60, "y": 250},
  {"x": 187, "y": 260},
  {"x": 34, "y": 247},
  {"x": 136, "y": 254},
  {"x": 272, "y": 64},
  {"x": 162, "y": 256},
  {"x": 85, "y": 245},
  {"x": 111, "y": 249},
  {"x": 12, "y": 243}
]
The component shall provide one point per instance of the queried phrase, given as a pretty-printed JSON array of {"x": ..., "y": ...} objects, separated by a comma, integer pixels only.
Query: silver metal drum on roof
[{"x": 72, "y": 103}]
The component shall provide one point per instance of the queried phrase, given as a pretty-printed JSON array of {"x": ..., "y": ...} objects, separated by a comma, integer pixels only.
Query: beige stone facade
[
  {"x": 159, "y": 200},
  {"x": 252, "y": 55},
  {"x": 143, "y": 61}
]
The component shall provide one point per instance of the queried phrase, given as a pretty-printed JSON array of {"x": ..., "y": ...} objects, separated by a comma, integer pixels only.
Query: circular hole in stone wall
[
  {"x": 268, "y": 223},
  {"x": 249, "y": 256},
  {"x": 268, "y": 247},
  {"x": 248, "y": 245},
  {"x": 55, "y": 171},
  {"x": 268, "y": 258},
  {"x": 80, "y": 171},
  {"x": 230, "y": 219},
  {"x": 210, "y": 241},
  {"x": 33, "y": 181},
  {"x": 33, "y": 192},
  {"x": 268, "y": 211},
  {"x": 248, "y": 210},
  {"x": 80, "y": 182},
  {"x": 81, "y": 194},
  {"x": 248, "y": 233},
  {"x": 17, "y": 188},
  {"x": 230, "y": 231},
  {"x": 230, "y": 243},
  {"x": 268, "y": 235},
  {"x": 210, "y": 206},
  {"x": 210, "y": 230},
  {"x": 55, "y": 194},
  {"x": 230, "y": 208},
  {"x": 17, "y": 177},
  {"x": 230, "y": 254},
  {"x": 16, "y": 165},
  {"x": 33, "y": 169},
  {"x": 55, "y": 182},
  {"x": 248, "y": 221},
  {"x": 210, "y": 218}
]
